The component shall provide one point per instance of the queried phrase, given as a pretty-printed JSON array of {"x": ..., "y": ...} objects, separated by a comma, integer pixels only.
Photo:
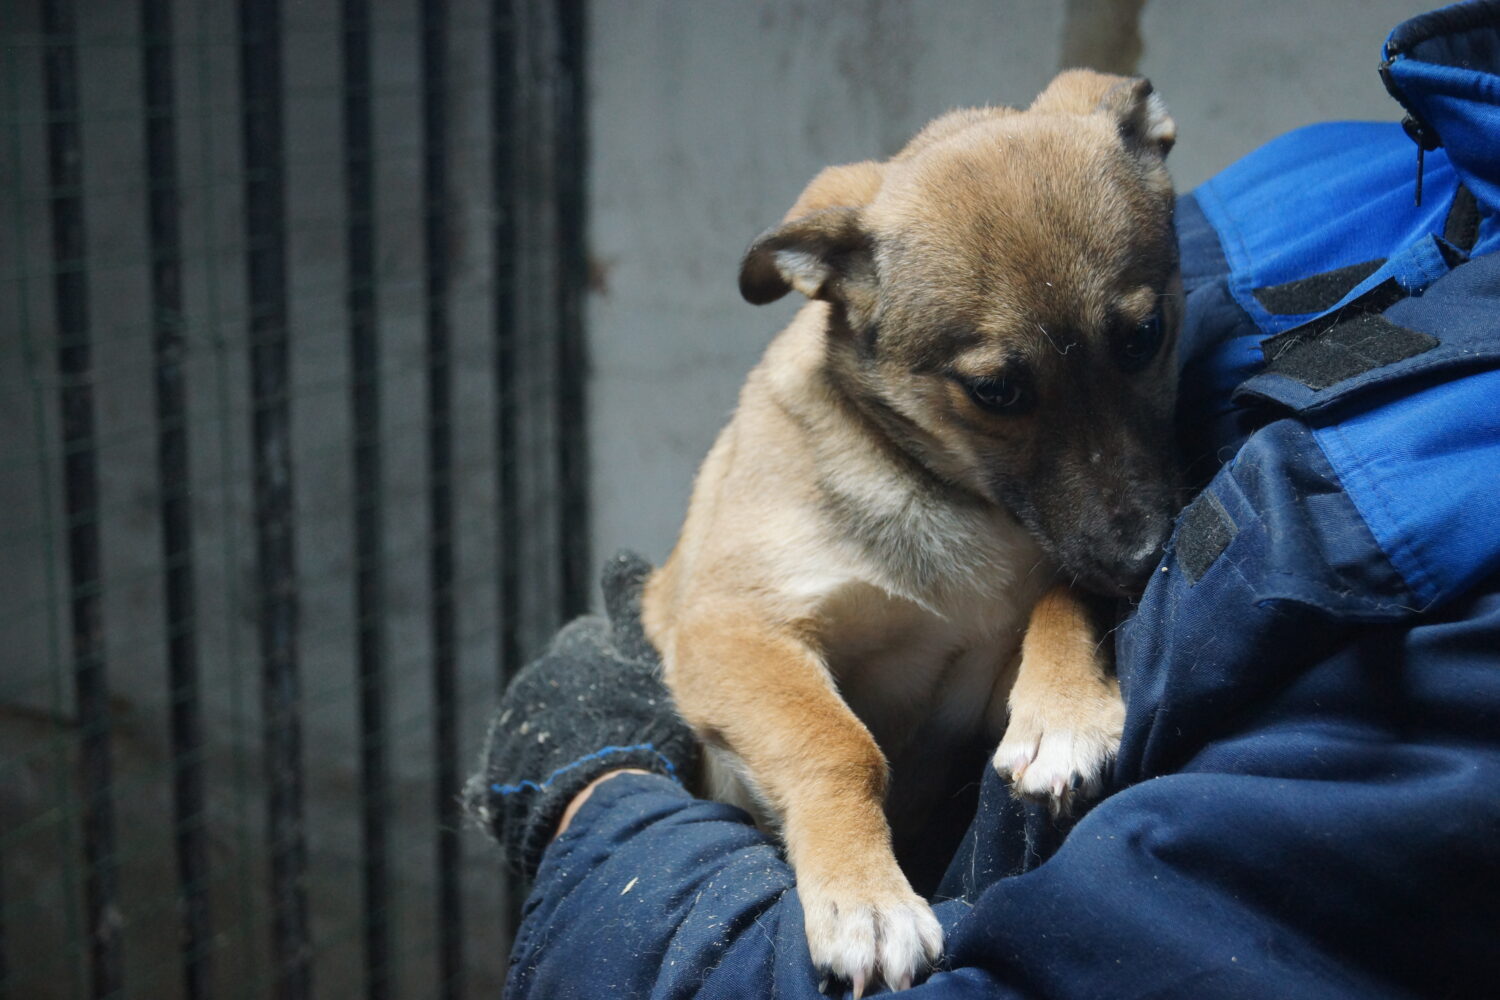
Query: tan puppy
[{"x": 975, "y": 405}]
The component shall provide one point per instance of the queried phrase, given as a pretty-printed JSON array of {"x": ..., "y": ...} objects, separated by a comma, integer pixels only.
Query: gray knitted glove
[{"x": 594, "y": 702}]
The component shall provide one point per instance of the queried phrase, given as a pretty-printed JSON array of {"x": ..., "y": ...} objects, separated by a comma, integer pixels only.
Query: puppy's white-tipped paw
[
  {"x": 865, "y": 934},
  {"x": 1058, "y": 761}
]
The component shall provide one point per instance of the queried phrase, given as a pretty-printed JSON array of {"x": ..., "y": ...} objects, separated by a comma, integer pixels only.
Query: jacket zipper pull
[{"x": 1425, "y": 139}]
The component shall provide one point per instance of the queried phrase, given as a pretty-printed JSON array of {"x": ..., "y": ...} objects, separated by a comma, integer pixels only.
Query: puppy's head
[{"x": 1003, "y": 302}]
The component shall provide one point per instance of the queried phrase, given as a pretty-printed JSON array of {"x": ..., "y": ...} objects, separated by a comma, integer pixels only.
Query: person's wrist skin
[{"x": 583, "y": 796}]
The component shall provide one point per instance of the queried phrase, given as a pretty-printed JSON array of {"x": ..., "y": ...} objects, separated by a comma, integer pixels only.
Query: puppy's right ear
[
  {"x": 1141, "y": 117},
  {"x": 828, "y": 255},
  {"x": 1145, "y": 126}
]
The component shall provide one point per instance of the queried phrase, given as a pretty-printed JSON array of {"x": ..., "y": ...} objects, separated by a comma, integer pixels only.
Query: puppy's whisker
[{"x": 1105, "y": 638}]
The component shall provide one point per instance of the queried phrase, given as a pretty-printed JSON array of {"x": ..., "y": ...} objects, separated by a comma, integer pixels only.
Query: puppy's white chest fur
[
  {"x": 921, "y": 642},
  {"x": 920, "y": 609}
]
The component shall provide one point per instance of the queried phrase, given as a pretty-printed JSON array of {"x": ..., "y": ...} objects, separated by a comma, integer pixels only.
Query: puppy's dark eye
[
  {"x": 1009, "y": 393},
  {"x": 1135, "y": 349}
]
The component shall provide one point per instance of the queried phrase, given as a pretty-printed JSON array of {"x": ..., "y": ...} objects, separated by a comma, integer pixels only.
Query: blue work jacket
[{"x": 1307, "y": 799}]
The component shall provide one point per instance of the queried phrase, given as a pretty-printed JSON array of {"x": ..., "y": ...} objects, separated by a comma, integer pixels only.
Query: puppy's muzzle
[
  {"x": 1135, "y": 568},
  {"x": 1121, "y": 561}
]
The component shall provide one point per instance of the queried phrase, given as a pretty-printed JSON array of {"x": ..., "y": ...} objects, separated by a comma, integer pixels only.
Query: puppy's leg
[
  {"x": 1066, "y": 715},
  {"x": 767, "y": 696}
]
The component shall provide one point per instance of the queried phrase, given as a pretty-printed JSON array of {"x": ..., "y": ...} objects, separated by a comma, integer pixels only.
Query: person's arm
[
  {"x": 1250, "y": 874},
  {"x": 1333, "y": 837}
]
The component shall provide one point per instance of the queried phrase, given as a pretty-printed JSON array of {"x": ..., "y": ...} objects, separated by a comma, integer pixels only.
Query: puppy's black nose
[
  {"x": 1140, "y": 550},
  {"x": 1136, "y": 568}
]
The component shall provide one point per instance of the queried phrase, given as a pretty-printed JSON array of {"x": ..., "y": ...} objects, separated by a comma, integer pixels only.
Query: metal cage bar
[
  {"x": 369, "y": 513},
  {"x": 572, "y": 355},
  {"x": 538, "y": 136},
  {"x": 81, "y": 497},
  {"x": 164, "y": 231},
  {"x": 439, "y": 373},
  {"x": 277, "y": 605},
  {"x": 537, "y": 116},
  {"x": 503, "y": 175},
  {"x": 242, "y": 906}
]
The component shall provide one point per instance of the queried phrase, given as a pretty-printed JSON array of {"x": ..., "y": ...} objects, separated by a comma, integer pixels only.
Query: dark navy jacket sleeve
[
  {"x": 1306, "y": 802},
  {"x": 1340, "y": 842}
]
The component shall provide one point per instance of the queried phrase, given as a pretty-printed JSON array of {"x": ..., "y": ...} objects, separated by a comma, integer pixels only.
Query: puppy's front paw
[
  {"x": 862, "y": 933},
  {"x": 1056, "y": 753}
]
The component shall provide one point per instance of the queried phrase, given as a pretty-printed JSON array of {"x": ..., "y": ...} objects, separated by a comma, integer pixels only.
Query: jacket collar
[{"x": 1444, "y": 68}]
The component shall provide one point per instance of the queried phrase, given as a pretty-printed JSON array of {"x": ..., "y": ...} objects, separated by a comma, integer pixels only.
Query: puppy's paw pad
[{"x": 865, "y": 937}]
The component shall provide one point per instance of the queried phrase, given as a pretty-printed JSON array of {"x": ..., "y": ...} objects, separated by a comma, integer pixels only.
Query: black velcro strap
[
  {"x": 1353, "y": 346},
  {"x": 1206, "y": 532},
  {"x": 1316, "y": 293},
  {"x": 1461, "y": 228}
]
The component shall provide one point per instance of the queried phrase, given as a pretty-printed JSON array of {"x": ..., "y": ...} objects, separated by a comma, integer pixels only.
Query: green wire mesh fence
[{"x": 291, "y": 478}]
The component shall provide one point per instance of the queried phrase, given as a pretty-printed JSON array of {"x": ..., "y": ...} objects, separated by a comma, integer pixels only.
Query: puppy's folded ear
[
  {"x": 1141, "y": 116},
  {"x": 1138, "y": 111},
  {"x": 827, "y": 255}
]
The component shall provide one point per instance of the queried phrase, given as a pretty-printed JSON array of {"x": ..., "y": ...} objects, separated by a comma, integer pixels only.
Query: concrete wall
[{"x": 708, "y": 117}]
